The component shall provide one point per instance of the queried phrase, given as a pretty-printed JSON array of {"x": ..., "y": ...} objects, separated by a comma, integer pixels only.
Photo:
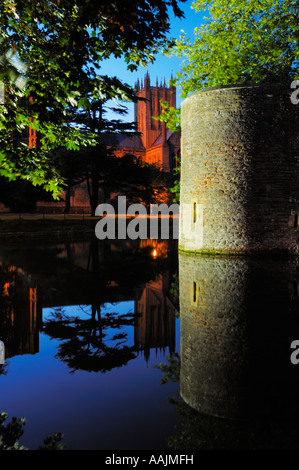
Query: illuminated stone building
[{"x": 154, "y": 143}]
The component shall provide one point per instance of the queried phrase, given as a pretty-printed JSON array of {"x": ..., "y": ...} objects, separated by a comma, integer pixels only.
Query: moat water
[{"x": 127, "y": 345}]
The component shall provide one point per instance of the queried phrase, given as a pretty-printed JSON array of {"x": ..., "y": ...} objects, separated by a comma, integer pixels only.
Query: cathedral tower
[{"x": 149, "y": 107}]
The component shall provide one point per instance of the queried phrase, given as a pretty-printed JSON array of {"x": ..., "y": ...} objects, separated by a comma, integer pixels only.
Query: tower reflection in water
[
  {"x": 87, "y": 275},
  {"x": 239, "y": 317}
]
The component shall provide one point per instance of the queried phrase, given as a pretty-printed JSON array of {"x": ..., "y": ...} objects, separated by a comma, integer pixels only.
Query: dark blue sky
[{"x": 163, "y": 66}]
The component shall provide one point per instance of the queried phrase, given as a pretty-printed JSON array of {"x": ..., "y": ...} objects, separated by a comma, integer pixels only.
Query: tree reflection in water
[
  {"x": 88, "y": 273},
  {"x": 35, "y": 277},
  {"x": 85, "y": 342}
]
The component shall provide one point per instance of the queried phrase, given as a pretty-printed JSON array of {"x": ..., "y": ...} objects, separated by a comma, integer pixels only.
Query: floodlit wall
[{"x": 239, "y": 170}]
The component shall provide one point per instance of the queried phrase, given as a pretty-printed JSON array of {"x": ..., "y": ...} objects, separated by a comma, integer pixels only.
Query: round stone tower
[{"x": 239, "y": 171}]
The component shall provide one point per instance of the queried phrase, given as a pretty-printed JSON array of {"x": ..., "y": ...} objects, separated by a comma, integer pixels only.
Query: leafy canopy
[
  {"x": 60, "y": 45},
  {"x": 240, "y": 42}
]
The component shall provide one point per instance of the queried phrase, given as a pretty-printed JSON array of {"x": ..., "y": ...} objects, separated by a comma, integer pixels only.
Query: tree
[
  {"x": 21, "y": 196},
  {"x": 171, "y": 116},
  {"x": 93, "y": 119},
  {"x": 87, "y": 164},
  {"x": 61, "y": 45},
  {"x": 101, "y": 169},
  {"x": 241, "y": 42},
  {"x": 98, "y": 166},
  {"x": 94, "y": 344}
]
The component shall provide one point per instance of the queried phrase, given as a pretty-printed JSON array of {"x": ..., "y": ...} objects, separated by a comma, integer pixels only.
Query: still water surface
[{"x": 85, "y": 325}]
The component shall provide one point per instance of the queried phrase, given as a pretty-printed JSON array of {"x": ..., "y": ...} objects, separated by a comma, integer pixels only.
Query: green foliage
[
  {"x": 21, "y": 196},
  {"x": 11, "y": 432},
  {"x": 58, "y": 47},
  {"x": 52, "y": 442},
  {"x": 175, "y": 189},
  {"x": 240, "y": 42},
  {"x": 171, "y": 369},
  {"x": 170, "y": 115},
  {"x": 174, "y": 290},
  {"x": 99, "y": 166}
]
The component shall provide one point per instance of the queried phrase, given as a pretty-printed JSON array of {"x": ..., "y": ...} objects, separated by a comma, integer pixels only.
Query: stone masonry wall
[
  {"x": 239, "y": 170},
  {"x": 238, "y": 317}
]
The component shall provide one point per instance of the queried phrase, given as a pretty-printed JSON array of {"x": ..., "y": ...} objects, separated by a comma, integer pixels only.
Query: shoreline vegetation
[
  {"x": 67, "y": 226},
  {"x": 16, "y": 226}
]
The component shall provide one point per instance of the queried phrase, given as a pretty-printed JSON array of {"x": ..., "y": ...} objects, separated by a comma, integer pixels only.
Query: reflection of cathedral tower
[
  {"x": 155, "y": 323},
  {"x": 19, "y": 319},
  {"x": 33, "y": 323},
  {"x": 155, "y": 145},
  {"x": 238, "y": 319}
]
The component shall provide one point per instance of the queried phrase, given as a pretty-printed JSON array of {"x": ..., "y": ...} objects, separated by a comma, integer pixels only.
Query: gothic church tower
[{"x": 150, "y": 106}]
